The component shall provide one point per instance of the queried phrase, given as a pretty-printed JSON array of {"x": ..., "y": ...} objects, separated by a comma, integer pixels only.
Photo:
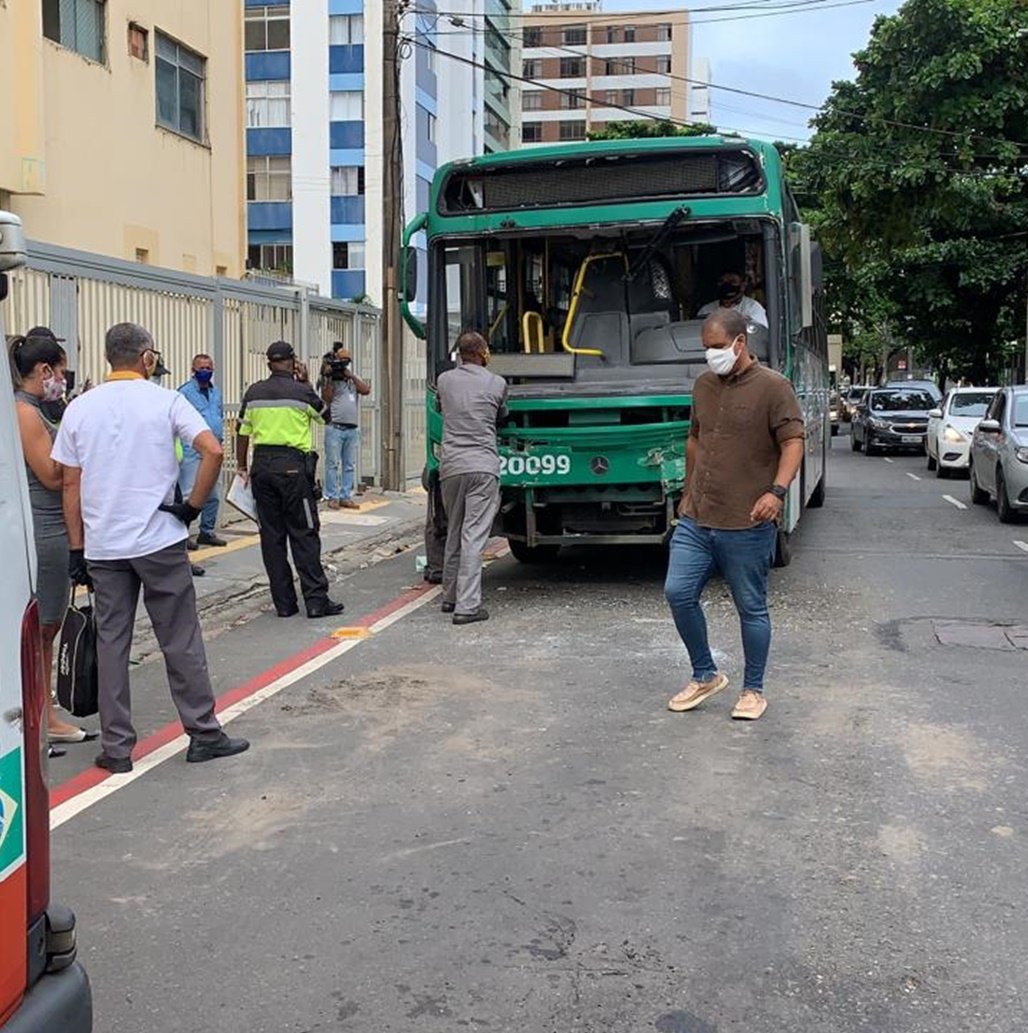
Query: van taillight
[{"x": 34, "y": 687}]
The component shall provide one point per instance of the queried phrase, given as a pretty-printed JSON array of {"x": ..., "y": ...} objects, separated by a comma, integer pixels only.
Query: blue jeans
[
  {"x": 743, "y": 559},
  {"x": 340, "y": 456},
  {"x": 187, "y": 472}
]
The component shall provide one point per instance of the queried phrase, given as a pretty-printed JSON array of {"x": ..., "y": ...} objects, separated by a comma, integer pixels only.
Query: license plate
[
  {"x": 912, "y": 439},
  {"x": 550, "y": 463}
]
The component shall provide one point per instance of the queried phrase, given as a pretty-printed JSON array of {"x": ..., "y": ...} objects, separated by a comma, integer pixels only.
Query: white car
[{"x": 948, "y": 444}]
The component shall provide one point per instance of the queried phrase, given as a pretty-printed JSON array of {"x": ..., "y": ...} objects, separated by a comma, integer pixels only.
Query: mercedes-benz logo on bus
[{"x": 599, "y": 465}]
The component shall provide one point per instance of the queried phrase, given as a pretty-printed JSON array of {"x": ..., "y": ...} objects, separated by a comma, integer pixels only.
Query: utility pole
[{"x": 392, "y": 214}]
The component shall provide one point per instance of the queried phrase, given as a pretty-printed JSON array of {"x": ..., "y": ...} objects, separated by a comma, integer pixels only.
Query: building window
[
  {"x": 572, "y": 67},
  {"x": 180, "y": 88},
  {"x": 277, "y": 258},
  {"x": 531, "y": 69},
  {"x": 138, "y": 42},
  {"x": 345, "y": 28},
  {"x": 531, "y": 132},
  {"x": 663, "y": 98},
  {"x": 571, "y": 130},
  {"x": 269, "y": 178},
  {"x": 267, "y": 28},
  {"x": 612, "y": 34},
  {"x": 533, "y": 36},
  {"x": 430, "y": 126},
  {"x": 143, "y": 255},
  {"x": 346, "y": 106},
  {"x": 267, "y": 105},
  {"x": 573, "y": 35},
  {"x": 431, "y": 59},
  {"x": 612, "y": 97},
  {"x": 77, "y": 25},
  {"x": 532, "y": 100},
  {"x": 628, "y": 97},
  {"x": 348, "y": 255},
  {"x": 664, "y": 65},
  {"x": 347, "y": 180},
  {"x": 572, "y": 100},
  {"x": 629, "y": 33},
  {"x": 664, "y": 32},
  {"x": 620, "y": 66}
]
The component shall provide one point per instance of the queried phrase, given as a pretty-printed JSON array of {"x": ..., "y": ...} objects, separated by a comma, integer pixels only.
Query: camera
[{"x": 333, "y": 367}]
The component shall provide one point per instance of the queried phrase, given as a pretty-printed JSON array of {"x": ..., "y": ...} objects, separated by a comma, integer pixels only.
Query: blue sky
[{"x": 796, "y": 55}]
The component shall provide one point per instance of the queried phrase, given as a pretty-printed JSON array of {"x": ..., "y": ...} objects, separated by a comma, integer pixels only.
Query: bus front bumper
[{"x": 57, "y": 1001}]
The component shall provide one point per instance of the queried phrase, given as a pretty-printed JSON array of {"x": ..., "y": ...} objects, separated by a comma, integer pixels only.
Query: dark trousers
[
  {"x": 170, "y": 600},
  {"x": 288, "y": 512},
  {"x": 435, "y": 527}
]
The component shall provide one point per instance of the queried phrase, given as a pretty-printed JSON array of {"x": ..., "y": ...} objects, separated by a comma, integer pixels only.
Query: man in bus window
[
  {"x": 731, "y": 294},
  {"x": 744, "y": 449},
  {"x": 472, "y": 401}
]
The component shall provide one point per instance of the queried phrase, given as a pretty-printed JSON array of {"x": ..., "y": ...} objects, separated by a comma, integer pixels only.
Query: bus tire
[
  {"x": 817, "y": 496},
  {"x": 783, "y": 550},
  {"x": 524, "y": 553}
]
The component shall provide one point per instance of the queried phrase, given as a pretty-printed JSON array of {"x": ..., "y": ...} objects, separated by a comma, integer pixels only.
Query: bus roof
[{"x": 535, "y": 206}]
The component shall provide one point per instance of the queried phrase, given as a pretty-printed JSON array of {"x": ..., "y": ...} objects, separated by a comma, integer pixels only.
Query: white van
[{"x": 42, "y": 988}]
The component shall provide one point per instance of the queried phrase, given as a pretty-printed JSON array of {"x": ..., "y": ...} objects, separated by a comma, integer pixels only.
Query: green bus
[{"x": 586, "y": 266}]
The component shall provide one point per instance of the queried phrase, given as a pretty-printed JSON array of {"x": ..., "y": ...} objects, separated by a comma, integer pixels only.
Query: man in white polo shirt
[{"x": 125, "y": 530}]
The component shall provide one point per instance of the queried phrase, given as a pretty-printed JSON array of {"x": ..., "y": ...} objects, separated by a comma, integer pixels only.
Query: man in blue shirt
[{"x": 206, "y": 399}]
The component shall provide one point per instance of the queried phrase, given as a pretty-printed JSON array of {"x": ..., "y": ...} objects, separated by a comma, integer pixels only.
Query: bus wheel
[
  {"x": 817, "y": 498},
  {"x": 532, "y": 554},
  {"x": 783, "y": 551}
]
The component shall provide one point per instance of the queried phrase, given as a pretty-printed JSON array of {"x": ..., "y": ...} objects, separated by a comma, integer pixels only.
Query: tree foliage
[
  {"x": 647, "y": 129},
  {"x": 916, "y": 182}
]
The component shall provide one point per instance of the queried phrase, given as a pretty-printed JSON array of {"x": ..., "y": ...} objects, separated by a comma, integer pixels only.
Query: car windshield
[
  {"x": 898, "y": 401},
  {"x": 1021, "y": 410},
  {"x": 855, "y": 392},
  {"x": 971, "y": 404}
]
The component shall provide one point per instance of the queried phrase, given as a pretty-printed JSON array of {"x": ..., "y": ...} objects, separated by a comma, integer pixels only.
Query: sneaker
[
  {"x": 750, "y": 705},
  {"x": 333, "y": 503},
  {"x": 199, "y": 751},
  {"x": 191, "y": 545},
  {"x": 349, "y": 504},
  {"x": 696, "y": 692},
  {"x": 481, "y": 614},
  {"x": 115, "y": 765},
  {"x": 203, "y": 538}
]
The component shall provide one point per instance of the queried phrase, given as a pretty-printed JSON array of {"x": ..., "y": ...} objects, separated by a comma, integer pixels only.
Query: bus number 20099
[{"x": 547, "y": 464}]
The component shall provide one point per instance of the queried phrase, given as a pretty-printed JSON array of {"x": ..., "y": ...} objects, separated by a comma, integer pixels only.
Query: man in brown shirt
[{"x": 745, "y": 447}]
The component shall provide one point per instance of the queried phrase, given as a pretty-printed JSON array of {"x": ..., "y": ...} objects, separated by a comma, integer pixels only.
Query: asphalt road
[{"x": 501, "y": 827}]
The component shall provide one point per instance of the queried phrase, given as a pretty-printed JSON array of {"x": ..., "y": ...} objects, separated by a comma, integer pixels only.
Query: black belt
[
  {"x": 344, "y": 426},
  {"x": 277, "y": 450}
]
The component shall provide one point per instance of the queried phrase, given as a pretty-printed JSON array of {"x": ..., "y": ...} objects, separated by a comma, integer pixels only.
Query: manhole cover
[{"x": 981, "y": 635}]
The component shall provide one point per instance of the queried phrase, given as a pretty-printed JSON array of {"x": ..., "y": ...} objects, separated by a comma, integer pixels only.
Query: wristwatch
[{"x": 778, "y": 491}]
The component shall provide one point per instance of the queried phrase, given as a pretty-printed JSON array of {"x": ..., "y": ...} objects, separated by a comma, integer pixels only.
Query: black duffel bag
[{"x": 76, "y": 662}]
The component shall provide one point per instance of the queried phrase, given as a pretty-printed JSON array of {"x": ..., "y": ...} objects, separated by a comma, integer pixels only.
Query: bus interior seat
[
  {"x": 600, "y": 317},
  {"x": 641, "y": 321},
  {"x": 682, "y": 342}
]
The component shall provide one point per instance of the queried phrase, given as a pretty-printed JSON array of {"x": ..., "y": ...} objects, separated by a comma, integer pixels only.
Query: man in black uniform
[{"x": 278, "y": 415}]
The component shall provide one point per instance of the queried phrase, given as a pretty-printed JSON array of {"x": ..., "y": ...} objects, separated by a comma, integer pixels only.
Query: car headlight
[
  {"x": 952, "y": 434},
  {"x": 1022, "y": 454},
  {"x": 879, "y": 424}
]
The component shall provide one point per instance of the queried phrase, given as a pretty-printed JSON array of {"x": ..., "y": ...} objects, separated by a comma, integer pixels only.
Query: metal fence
[{"x": 80, "y": 295}]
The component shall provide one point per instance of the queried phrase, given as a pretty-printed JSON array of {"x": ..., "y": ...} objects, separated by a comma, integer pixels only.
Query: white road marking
[
  {"x": 1023, "y": 546},
  {"x": 77, "y": 804},
  {"x": 954, "y": 502},
  {"x": 888, "y": 460},
  {"x": 913, "y": 476}
]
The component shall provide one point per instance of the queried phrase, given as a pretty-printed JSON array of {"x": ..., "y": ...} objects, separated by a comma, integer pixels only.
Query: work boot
[
  {"x": 191, "y": 545},
  {"x": 481, "y": 614},
  {"x": 197, "y": 570},
  {"x": 696, "y": 692},
  {"x": 199, "y": 750},
  {"x": 115, "y": 765},
  {"x": 448, "y": 607},
  {"x": 349, "y": 504},
  {"x": 750, "y": 705},
  {"x": 203, "y": 538}
]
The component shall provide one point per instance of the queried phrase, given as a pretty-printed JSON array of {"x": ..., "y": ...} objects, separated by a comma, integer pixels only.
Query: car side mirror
[
  {"x": 990, "y": 426},
  {"x": 935, "y": 414}
]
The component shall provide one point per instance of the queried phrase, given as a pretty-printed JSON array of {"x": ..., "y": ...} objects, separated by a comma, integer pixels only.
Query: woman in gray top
[{"x": 38, "y": 364}]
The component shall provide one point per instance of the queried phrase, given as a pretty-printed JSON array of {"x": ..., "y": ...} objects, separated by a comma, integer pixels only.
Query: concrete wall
[{"x": 82, "y": 159}]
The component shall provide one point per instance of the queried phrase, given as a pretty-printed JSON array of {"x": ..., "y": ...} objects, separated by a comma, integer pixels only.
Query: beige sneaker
[
  {"x": 696, "y": 692},
  {"x": 750, "y": 706}
]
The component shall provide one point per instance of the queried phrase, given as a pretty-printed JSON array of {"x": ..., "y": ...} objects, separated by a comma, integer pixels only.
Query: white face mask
[{"x": 722, "y": 360}]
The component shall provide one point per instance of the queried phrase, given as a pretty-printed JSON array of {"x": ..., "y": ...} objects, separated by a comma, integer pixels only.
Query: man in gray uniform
[{"x": 472, "y": 401}]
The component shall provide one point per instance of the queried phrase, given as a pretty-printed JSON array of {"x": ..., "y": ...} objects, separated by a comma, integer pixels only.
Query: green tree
[
  {"x": 919, "y": 176},
  {"x": 649, "y": 128}
]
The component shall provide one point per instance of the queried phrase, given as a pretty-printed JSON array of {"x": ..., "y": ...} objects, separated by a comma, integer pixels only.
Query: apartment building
[
  {"x": 590, "y": 67},
  {"x": 314, "y": 142},
  {"x": 122, "y": 130}
]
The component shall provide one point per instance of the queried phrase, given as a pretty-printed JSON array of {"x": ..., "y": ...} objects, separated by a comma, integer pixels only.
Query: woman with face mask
[{"x": 38, "y": 363}]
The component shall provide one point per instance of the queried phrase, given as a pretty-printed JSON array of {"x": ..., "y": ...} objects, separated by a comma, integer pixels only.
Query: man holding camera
[
  {"x": 277, "y": 416},
  {"x": 341, "y": 390}
]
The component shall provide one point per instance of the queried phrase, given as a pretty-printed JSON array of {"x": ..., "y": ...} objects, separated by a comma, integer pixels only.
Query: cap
[
  {"x": 280, "y": 350},
  {"x": 43, "y": 333}
]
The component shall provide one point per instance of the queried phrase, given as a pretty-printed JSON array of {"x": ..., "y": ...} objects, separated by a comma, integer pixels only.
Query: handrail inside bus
[
  {"x": 533, "y": 332},
  {"x": 576, "y": 294}
]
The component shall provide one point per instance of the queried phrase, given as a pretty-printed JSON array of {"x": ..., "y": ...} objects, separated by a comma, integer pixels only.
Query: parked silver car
[{"x": 999, "y": 454}]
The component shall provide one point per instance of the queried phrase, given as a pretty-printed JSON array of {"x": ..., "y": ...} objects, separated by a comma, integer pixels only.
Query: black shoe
[
  {"x": 434, "y": 579},
  {"x": 292, "y": 611},
  {"x": 199, "y": 751},
  {"x": 330, "y": 609},
  {"x": 191, "y": 545},
  {"x": 197, "y": 570},
  {"x": 210, "y": 539},
  {"x": 115, "y": 765},
  {"x": 481, "y": 614},
  {"x": 55, "y": 751},
  {"x": 448, "y": 607}
]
